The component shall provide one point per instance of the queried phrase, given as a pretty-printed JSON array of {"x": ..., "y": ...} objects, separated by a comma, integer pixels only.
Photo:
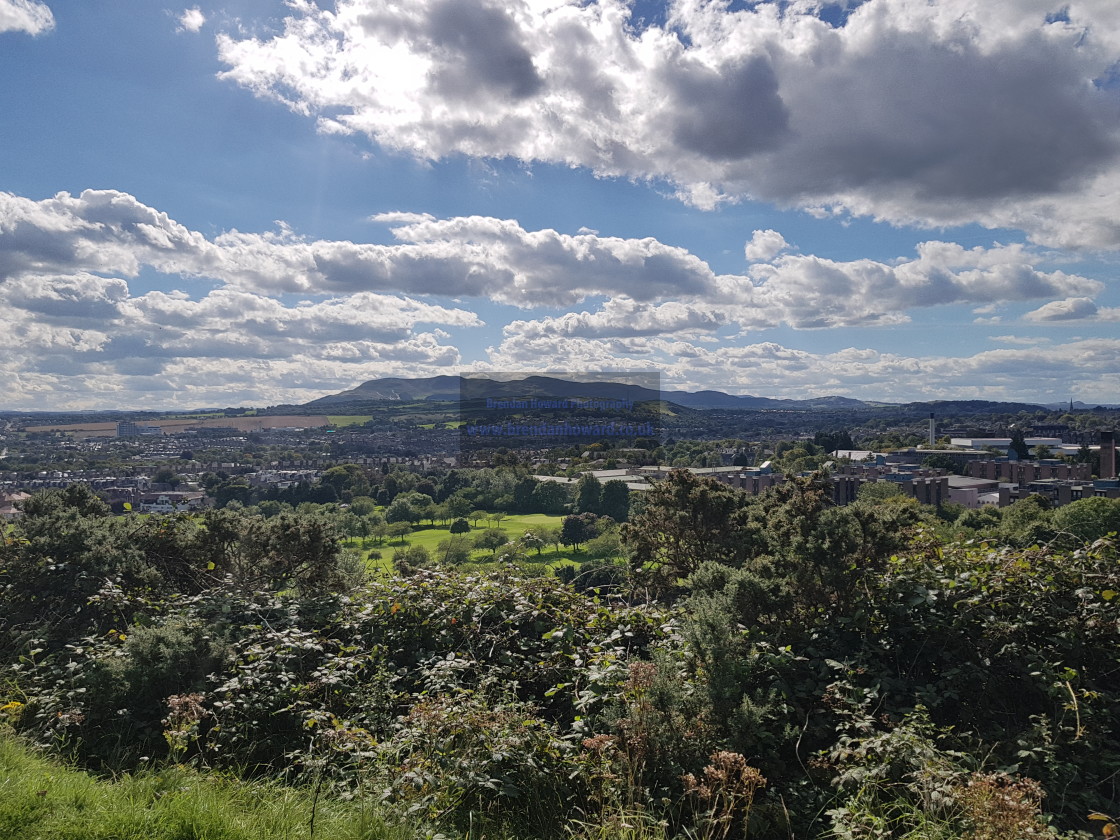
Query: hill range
[{"x": 448, "y": 389}]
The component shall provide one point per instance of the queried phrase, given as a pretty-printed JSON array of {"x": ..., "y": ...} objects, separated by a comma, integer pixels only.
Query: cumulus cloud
[
  {"x": 649, "y": 286},
  {"x": 1037, "y": 373},
  {"x": 28, "y": 16},
  {"x": 62, "y": 330},
  {"x": 1072, "y": 309},
  {"x": 765, "y": 245},
  {"x": 927, "y": 113},
  {"x": 192, "y": 20}
]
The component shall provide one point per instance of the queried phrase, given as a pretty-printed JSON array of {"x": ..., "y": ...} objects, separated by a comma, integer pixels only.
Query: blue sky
[{"x": 249, "y": 202}]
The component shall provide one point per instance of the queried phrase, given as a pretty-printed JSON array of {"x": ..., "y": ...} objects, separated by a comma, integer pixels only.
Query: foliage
[{"x": 760, "y": 666}]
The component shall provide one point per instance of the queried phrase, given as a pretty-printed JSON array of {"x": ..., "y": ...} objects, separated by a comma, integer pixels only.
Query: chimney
[
  {"x": 1108, "y": 455},
  {"x": 932, "y": 431}
]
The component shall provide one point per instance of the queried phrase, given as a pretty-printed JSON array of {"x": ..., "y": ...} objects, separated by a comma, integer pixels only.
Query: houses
[{"x": 8, "y": 501}]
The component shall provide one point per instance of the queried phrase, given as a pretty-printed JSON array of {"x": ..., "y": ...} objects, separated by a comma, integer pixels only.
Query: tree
[
  {"x": 347, "y": 480},
  {"x": 454, "y": 551},
  {"x": 457, "y": 507},
  {"x": 363, "y": 505},
  {"x": 940, "y": 461},
  {"x": 410, "y": 560},
  {"x": 1086, "y": 520},
  {"x": 615, "y": 501},
  {"x": 589, "y": 494},
  {"x": 533, "y": 541},
  {"x": 685, "y": 521},
  {"x": 399, "y": 530},
  {"x": 550, "y": 534},
  {"x": 577, "y": 529},
  {"x": 401, "y": 511},
  {"x": 1019, "y": 445},
  {"x": 524, "y": 494},
  {"x": 490, "y": 540},
  {"x": 551, "y": 497},
  {"x": 166, "y": 475},
  {"x": 878, "y": 491},
  {"x": 1027, "y": 522},
  {"x": 460, "y": 526}
]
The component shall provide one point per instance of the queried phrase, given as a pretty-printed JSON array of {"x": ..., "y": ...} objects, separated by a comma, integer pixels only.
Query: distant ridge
[{"x": 446, "y": 389}]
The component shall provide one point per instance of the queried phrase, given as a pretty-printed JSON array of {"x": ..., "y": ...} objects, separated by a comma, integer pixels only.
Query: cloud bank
[
  {"x": 273, "y": 316},
  {"x": 938, "y": 113}
]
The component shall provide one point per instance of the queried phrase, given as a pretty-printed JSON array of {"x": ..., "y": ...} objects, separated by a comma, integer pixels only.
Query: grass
[
  {"x": 513, "y": 526},
  {"x": 348, "y": 419},
  {"x": 42, "y": 800}
]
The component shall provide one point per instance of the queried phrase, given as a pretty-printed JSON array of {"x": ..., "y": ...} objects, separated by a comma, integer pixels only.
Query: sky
[{"x": 246, "y": 203}]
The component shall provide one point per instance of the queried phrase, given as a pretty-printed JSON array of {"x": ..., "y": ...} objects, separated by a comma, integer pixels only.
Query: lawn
[{"x": 512, "y": 526}]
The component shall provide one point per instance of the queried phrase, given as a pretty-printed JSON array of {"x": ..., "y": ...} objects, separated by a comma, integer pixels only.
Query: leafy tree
[
  {"x": 551, "y": 497},
  {"x": 457, "y": 507},
  {"x": 615, "y": 501},
  {"x": 532, "y": 540},
  {"x": 1086, "y": 520},
  {"x": 685, "y": 521},
  {"x": 877, "y": 491},
  {"x": 166, "y": 475},
  {"x": 363, "y": 505},
  {"x": 524, "y": 494},
  {"x": 1027, "y": 522},
  {"x": 550, "y": 534},
  {"x": 399, "y": 530},
  {"x": 460, "y": 526},
  {"x": 490, "y": 540},
  {"x": 401, "y": 510},
  {"x": 234, "y": 490},
  {"x": 940, "y": 461},
  {"x": 589, "y": 494},
  {"x": 409, "y": 560},
  {"x": 577, "y": 529},
  {"x": 454, "y": 551}
]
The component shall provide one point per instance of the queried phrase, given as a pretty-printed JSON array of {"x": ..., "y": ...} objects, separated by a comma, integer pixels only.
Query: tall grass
[{"x": 41, "y": 800}]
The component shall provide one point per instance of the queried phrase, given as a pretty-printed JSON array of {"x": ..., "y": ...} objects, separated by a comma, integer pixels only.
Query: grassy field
[
  {"x": 348, "y": 419},
  {"x": 513, "y": 527},
  {"x": 42, "y": 800}
]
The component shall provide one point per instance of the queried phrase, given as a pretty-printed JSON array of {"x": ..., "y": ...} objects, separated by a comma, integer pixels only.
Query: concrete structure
[{"x": 1108, "y": 455}]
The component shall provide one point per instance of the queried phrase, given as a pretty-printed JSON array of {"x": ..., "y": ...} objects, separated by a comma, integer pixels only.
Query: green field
[
  {"x": 348, "y": 419},
  {"x": 513, "y": 527}
]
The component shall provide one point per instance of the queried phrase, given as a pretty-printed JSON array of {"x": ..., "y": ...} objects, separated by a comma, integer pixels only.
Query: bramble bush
[{"x": 759, "y": 668}]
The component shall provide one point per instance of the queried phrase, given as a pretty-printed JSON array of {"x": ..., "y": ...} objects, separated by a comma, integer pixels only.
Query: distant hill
[{"x": 446, "y": 389}]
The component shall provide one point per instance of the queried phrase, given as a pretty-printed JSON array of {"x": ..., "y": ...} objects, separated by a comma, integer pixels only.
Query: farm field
[
  {"x": 170, "y": 427},
  {"x": 348, "y": 419}
]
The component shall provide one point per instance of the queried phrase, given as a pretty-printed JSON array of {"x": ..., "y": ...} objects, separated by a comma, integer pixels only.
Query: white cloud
[
  {"x": 90, "y": 328},
  {"x": 28, "y": 16},
  {"x": 1072, "y": 309},
  {"x": 765, "y": 245},
  {"x": 1038, "y": 373},
  {"x": 928, "y": 113},
  {"x": 1025, "y": 340},
  {"x": 192, "y": 20},
  {"x": 658, "y": 287}
]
